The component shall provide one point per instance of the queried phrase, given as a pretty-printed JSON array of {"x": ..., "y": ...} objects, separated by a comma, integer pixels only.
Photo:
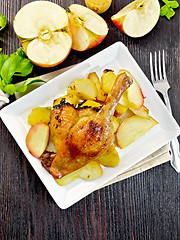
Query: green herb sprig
[
  {"x": 17, "y": 64},
  {"x": 167, "y": 9},
  {"x": 3, "y": 22}
]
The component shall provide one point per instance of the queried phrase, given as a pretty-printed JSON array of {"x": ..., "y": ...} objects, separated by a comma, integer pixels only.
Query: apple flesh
[
  {"x": 138, "y": 18},
  {"x": 37, "y": 139},
  {"x": 142, "y": 111},
  {"x": 110, "y": 158},
  {"x": 132, "y": 129},
  {"x": 134, "y": 92},
  {"x": 90, "y": 171},
  {"x": 100, "y": 94},
  {"x": 44, "y": 32},
  {"x": 87, "y": 27}
]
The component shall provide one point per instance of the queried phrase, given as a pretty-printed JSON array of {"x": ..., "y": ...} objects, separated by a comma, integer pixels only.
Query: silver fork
[{"x": 160, "y": 83}]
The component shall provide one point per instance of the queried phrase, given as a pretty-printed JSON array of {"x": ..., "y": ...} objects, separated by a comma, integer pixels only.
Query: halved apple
[
  {"x": 133, "y": 128},
  {"x": 44, "y": 32},
  {"x": 37, "y": 139},
  {"x": 138, "y": 18},
  {"x": 88, "y": 28},
  {"x": 134, "y": 92}
]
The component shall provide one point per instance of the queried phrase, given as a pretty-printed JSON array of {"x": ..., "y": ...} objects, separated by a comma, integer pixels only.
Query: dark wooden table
[{"x": 146, "y": 206}]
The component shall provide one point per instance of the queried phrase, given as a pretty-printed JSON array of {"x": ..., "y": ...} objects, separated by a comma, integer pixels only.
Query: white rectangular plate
[{"x": 114, "y": 57}]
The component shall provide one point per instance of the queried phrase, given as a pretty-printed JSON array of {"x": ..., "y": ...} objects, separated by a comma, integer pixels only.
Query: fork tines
[{"x": 158, "y": 66}]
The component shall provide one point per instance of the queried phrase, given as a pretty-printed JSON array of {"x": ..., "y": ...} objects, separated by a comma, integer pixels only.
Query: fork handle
[
  {"x": 175, "y": 161},
  {"x": 167, "y": 102},
  {"x": 174, "y": 144}
]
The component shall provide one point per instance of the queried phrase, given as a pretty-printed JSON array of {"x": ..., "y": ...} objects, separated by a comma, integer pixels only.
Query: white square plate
[{"x": 114, "y": 57}]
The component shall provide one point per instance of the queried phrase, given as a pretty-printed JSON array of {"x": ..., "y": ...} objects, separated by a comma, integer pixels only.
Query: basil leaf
[
  {"x": 9, "y": 68},
  {"x": 10, "y": 89},
  {"x": 2, "y": 84},
  {"x": 21, "y": 88},
  {"x": 172, "y": 4},
  {"x": 164, "y": 10},
  {"x": 3, "y": 58},
  {"x": 20, "y": 52},
  {"x": 170, "y": 13},
  {"x": 24, "y": 68},
  {"x": 33, "y": 80},
  {"x": 3, "y": 22}
]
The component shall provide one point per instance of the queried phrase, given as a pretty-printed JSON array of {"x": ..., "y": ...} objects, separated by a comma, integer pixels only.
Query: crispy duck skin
[{"x": 81, "y": 135}]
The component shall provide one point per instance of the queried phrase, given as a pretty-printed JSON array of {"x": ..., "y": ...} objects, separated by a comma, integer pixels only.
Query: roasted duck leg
[{"x": 81, "y": 135}]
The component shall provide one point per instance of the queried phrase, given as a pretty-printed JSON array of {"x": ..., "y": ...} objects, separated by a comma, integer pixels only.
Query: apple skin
[
  {"x": 118, "y": 22},
  {"x": 94, "y": 42}
]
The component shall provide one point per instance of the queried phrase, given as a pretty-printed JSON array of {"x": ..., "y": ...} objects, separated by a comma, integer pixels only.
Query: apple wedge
[
  {"x": 138, "y": 18},
  {"x": 134, "y": 92},
  {"x": 39, "y": 115},
  {"x": 44, "y": 32},
  {"x": 83, "y": 88},
  {"x": 91, "y": 103},
  {"x": 108, "y": 79},
  {"x": 88, "y": 28},
  {"x": 90, "y": 171},
  {"x": 133, "y": 128},
  {"x": 110, "y": 158},
  {"x": 142, "y": 111},
  {"x": 120, "y": 110},
  {"x": 37, "y": 139},
  {"x": 115, "y": 121},
  {"x": 70, "y": 98},
  {"x": 101, "y": 97}
]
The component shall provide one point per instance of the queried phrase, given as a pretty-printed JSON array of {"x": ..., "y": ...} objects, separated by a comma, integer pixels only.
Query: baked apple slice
[
  {"x": 134, "y": 93},
  {"x": 133, "y": 128},
  {"x": 37, "y": 139},
  {"x": 44, "y": 32},
  {"x": 90, "y": 171}
]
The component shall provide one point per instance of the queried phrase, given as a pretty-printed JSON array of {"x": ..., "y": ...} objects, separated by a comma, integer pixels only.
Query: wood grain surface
[{"x": 143, "y": 207}]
